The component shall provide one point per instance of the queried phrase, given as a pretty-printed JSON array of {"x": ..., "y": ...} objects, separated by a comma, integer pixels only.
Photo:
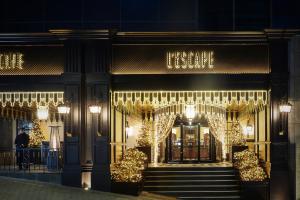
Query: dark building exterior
[{"x": 95, "y": 50}]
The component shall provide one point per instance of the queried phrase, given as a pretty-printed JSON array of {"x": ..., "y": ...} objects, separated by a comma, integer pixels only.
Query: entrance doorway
[
  {"x": 190, "y": 126},
  {"x": 190, "y": 143}
]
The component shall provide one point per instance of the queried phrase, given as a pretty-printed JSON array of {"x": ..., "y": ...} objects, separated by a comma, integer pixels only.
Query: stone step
[
  {"x": 191, "y": 172},
  {"x": 188, "y": 181},
  {"x": 191, "y": 168},
  {"x": 193, "y": 182},
  {"x": 191, "y": 177},
  {"x": 196, "y": 193},
  {"x": 191, "y": 187},
  {"x": 211, "y": 197}
]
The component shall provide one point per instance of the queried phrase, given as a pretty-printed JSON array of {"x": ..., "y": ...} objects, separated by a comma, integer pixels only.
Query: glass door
[
  {"x": 205, "y": 143},
  {"x": 190, "y": 143},
  {"x": 175, "y": 144}
]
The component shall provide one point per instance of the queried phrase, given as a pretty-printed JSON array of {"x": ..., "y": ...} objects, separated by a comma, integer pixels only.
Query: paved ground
[{"x": 19, "y": 189}]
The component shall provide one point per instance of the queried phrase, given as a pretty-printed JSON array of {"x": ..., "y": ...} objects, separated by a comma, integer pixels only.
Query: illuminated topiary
[
  {"x": 247, "y": 163},
  {"x": 129, "y": 169}
]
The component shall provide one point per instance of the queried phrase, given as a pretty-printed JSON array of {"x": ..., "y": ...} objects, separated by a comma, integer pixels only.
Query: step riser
[
  {"x": 208, "y": 182},
  {"x": 198, "y": 193},
  {"x": 191, "y": 168},
  {"x": 160, "y": 173},
  {"x": 189, "y": 182},
  {"x": 207, "y": 198},
  {"x": 232, "y": 177},
  {"x": 164, "y": 188}
]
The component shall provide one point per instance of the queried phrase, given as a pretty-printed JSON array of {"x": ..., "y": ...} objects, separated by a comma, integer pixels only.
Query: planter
[
  {"x": 147, "y": 151},
  {"x": 237, "y": 149},
  {"x": 258, "y": 190},
  {"x": 127, "y": 188}
]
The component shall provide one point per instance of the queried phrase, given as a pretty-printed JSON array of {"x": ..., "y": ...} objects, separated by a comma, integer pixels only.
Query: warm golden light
[
  {"x": 11, "y": 61},
  {"x": 63, "y": 109},
  {"x": 96, "y": 109},
  {"x": 190, "y": 111},
  {"x": 42, "y": 113},
  {"x": 249, "y": 129},
  {"x": 285, "y": 108},
  {"x": 190, "y": 59},
  {"x": 54, "y": 143}
]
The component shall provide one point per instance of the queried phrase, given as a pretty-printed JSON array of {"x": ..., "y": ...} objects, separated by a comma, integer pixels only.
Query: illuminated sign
[
  {"x": 190, "y": 59},
  {"x": 31, "y": 60},
  {"x": 11, "y": 61}
]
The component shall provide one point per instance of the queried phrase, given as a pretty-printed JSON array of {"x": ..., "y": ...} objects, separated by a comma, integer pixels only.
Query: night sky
[{"x": 148, "y": 15}]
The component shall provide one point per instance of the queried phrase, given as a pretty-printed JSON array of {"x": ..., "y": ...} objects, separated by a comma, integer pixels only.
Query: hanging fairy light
[
  {"x": 42, "y": 113},
  {"x": 190, "y": 112}
]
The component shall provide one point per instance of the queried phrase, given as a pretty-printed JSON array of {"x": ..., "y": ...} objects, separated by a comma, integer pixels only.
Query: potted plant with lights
[
  {"x": 127, "y": 175},
  {"x": 144, "y": 140},
  {"x": 238, "y": 141},
  {"x": 253, "y": 178}
]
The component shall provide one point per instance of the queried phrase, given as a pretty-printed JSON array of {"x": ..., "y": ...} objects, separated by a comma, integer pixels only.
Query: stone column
[
  {"x": 97, "y": 144},
  {"x": 72, "y": 76},
  {"x": 279, "y": 183},
  {"x": 294, "y": 117}
]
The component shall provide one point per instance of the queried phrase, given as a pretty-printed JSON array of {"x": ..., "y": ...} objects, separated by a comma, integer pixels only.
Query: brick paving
[{"x": 19, "y": 189}]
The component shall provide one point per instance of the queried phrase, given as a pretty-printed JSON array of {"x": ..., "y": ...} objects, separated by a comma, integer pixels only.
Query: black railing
[{"x": 31, "y": 160}]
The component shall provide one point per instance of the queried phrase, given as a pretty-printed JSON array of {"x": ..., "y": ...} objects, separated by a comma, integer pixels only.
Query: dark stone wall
[{"x": 6, "y": 134}]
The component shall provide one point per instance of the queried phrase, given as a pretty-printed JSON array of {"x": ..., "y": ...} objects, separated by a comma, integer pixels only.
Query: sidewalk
[{"x": 16, "y": 189}]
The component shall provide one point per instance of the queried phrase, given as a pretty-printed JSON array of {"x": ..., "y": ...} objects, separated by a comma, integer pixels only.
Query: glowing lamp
[
  {"x": 174, "y": 130},
  {"x": 95, "y": 109},
  {"x": 190, "y": 111},
  {"x": 63, "y": 109},
  {"x": 128, "y": 130},
  {"x": 42, "y": 112},
  {"x": 249, "y": 128},
  {"x": 285, "y": 108}
]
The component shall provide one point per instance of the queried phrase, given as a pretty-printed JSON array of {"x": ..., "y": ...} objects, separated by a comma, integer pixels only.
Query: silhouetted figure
[{"x": 21, "y": 142}]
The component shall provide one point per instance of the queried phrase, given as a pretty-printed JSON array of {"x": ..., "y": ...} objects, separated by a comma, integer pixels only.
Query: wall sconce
[
  {"x": 249, "y": 128},
  {"x": 190, "y": 112},
  {"x": 95, "y": 109},
  {"x": 63, "y": 109},
  {"x": 285, "y": 107},
  {"x": 42, "y": 112},
  {"x": 128, "y": 130}
]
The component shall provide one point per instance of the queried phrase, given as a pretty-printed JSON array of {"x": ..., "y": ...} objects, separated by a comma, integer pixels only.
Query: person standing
[{"x": 21, "y": 142}]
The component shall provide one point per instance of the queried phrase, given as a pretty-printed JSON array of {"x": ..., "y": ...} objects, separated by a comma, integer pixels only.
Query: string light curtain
[
  {"x": 30, "y": 98},
  {"x": 175, "y": 100}
]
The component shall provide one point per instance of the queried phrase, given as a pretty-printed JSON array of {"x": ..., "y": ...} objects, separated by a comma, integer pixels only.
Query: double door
[{"x": 190, "y": 143}]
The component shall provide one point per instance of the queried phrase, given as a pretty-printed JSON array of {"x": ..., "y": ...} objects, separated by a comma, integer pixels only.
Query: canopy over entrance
[{"x": 221, "y": 109}]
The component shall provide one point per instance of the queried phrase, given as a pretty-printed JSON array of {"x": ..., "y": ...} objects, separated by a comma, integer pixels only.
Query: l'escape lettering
[
  {"x": 11, "y": 61},
  {"x": 190, "y": 60}
]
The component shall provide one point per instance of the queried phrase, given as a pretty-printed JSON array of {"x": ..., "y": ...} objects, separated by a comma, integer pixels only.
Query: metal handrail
[{"x": 29, "y": 160}]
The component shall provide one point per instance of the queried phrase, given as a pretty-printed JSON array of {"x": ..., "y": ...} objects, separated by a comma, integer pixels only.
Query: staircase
[{"x": 193, "y": 182}]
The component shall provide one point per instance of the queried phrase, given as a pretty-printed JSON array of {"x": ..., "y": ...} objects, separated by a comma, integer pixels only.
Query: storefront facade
[{"x": 219, "y": 72}]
